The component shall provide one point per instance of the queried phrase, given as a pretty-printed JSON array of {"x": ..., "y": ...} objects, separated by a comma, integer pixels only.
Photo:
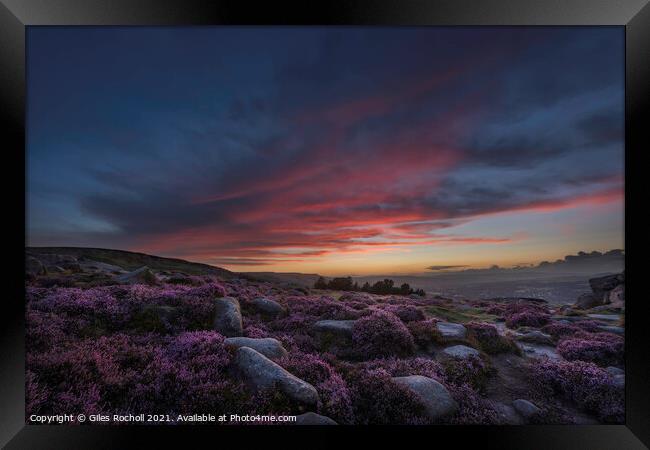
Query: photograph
[{"x": 325, "y": 225}]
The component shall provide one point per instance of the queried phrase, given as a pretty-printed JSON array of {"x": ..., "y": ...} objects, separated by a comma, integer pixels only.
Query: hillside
[{"x": 133, "y": 260}]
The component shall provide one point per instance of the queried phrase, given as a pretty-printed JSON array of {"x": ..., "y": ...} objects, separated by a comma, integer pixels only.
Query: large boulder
[
  {"x": 269, "y": 347},
  {"x": 588, "y": 300},
  {"x": 260, "y": 373},
  {"x": 336, "y": 333},
  {"x": 461, "y": 352},
  {"x": 606, "y": 290},
  {"x": 227, "y": 317},
  {"x": 267, "y": 307},
  {"x": 311, "y": 418},
  {"x": 451, "y": 331},
  {"x": 616, "y": 297},
  {"x": 602, "y": 285},
  {"x": 143, "y": 275},
  {"x": 435, "y": 398},
  {"x": 525, "y": 408}
]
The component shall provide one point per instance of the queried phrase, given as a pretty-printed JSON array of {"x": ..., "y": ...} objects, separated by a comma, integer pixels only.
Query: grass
[{"x": 453, "y": 315}]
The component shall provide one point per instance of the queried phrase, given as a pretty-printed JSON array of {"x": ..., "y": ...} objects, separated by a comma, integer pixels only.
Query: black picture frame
[{"x": 16, "y": 15}]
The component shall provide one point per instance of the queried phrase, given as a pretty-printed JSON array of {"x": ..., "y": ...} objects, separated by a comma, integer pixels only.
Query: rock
[
  {"x": 619, "y": 380},
  {"x": 615, "y": 370},
  {"x": 587, "y": 301},
  {"x": 227, "y": 317},
  {"x": 333, "y": 333},
  {"x": 612, "y": 329},
  {"x": 435, "y": 398},
  {"x": 311, "y": 418},
  {"x": 451, "y": 331},
  {"x": 269, "y": 347},
  {"x": 143, "y": 275},
  {"x": 461, "y": 352},
  {"x": 616, "y": 297},
  {"x": 602, "y": 285},
  {"x": 525, "y": 408},
  {"x": 606, "y": 317},
  {"x": 537, "y": 351},
  {"x": 267, "y": 306},
  {"x": 34, "y": 267},
  {"x": 536, "y": 337},
  {"x": 261, "y": 373}
]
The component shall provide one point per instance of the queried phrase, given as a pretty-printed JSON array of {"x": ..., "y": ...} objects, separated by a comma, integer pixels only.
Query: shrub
[
  {"x": 425, "y": 333},
  {"x": 527, "y": 319},
  {"x": 406, "y": 313},
  {"x": 377, "y": 400},
  {"x": 332, "y": 389},
  {"x": 488, "y": 339},
  {"x": 381, "y": 334},
  {"x": 582, "y": 382},
  {"x": 473, "y": 371},
  {"x": 604, "y": 349},
  {"x": 405, "y": 367},
  {"x": 472, "y": 409}
]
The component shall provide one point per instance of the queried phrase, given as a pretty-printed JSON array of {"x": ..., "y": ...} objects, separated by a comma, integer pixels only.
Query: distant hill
[{"x": 133, "y": 260}]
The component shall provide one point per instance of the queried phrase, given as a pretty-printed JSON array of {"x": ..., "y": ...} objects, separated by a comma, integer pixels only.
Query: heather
[
  {"x": 604, "y": 349},
  {"x": 120, "y": 348},
  {"x": 592, "y": 387},
  {"x": 381, "y": 334}
]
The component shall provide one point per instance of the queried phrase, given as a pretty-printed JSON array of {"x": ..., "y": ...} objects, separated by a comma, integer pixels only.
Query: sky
[{"x": 327, "y": 150}]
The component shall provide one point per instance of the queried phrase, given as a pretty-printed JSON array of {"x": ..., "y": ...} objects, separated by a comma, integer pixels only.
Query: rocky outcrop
[
  {"x": 227, "y": 317},
  {"x": 435, "y": 398},
  {"x": 607, "y": 290},
  {"x": 143, "y": 275},
  {"x": 267, "y": 307},
  {"x": 525, "y": 408},
  {"x": 269, "y": 347},
  {"x": 451, "y": 331},
  {"x": 311, "y": 418},
  {"x": 461, "y": 352},
  {"x": 260, "y": 373}
]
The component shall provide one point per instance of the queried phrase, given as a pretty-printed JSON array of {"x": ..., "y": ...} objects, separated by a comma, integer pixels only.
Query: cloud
[
  {"x": 436, "y": 268},
  {"x": 361, "y": 142}
]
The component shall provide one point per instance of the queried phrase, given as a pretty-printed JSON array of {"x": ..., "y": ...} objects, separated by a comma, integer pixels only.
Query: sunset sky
[{"x": 327, "y": 150}]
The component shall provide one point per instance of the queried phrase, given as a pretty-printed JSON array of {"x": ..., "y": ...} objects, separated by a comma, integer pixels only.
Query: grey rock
[
  {"x": 260, "y": 373},
  {"x": 143, "y": 275},
  {"x": 615, "y": 370},
  {"x": 606, "y": 317},
  {"x": 267, "y": 306},
  {"x": 332, "y": 334},
  {"x": 343, "y": 327},
  {"x": 269, "y": 347},
  {"x": 619, "y": 380},
  {"x": 616, "y": 297},
  {"x": 525, "y": 408},
  {"x": 612, "y": 329},
  {"x": 461, "y": 352},
  {"x": 227, "y": 317},
  {"x": 451, "y": 331},
  {"x": 590, "y": 300},
  {"x": 536, "y": 337},
  {"x": 601, "y": 285},
  {"x": 311, "y": 418},
  {"x": 435, "y": 398}
]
